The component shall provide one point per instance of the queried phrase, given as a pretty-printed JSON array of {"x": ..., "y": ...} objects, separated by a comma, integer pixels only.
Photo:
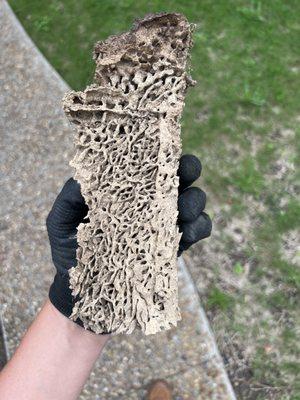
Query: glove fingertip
[{"x": 189, "y": 169}]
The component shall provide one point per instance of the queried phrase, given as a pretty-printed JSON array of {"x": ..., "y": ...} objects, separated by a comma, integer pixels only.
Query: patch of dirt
[
  {"x": 250, "y": 334},
  {"x": 290, "y": 247}
]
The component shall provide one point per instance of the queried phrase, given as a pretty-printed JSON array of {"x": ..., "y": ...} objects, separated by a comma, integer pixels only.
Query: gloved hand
[
  {"x": 193, "y": 222},
  {"x": 69, "y": 210}
]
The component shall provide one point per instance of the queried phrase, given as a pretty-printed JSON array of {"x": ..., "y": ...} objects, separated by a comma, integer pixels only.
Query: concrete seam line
[
  {"x": 43, "y": 59},
  {"x": 202, "y": 317}
]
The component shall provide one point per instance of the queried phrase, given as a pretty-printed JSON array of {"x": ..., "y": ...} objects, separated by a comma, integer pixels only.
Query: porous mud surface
[{"x": 127, "y": 153}]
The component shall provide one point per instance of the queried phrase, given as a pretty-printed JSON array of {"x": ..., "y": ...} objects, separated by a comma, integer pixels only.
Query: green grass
[
  {"x": 246, "y": 61},
  {"x": 219, "y": 299}
]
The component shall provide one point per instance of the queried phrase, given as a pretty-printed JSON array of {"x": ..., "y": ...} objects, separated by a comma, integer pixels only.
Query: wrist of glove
[
  {"x": 60, "y": 294},
  {"x": 69, "y": 210}
]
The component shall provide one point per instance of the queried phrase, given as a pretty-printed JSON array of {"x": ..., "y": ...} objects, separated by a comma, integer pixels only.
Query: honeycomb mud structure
[{"x": 127, "y": 154}]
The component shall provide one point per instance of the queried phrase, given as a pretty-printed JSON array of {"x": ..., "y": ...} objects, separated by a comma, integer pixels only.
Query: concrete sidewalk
[{"x": 36, "y": 146}]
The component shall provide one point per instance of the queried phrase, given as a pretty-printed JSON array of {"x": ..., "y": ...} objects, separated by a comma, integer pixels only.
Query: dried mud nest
[{"x": 127, "y": 153}]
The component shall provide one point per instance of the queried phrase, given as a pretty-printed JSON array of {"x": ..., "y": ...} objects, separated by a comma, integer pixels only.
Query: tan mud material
[{"x": 127, "y": 154}]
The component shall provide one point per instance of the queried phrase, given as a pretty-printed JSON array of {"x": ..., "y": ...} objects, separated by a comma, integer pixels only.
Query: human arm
[{"x": 53, "y": 361}]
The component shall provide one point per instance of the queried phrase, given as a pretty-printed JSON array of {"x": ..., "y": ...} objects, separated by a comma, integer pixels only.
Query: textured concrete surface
[{"x": 35, "y": 148}]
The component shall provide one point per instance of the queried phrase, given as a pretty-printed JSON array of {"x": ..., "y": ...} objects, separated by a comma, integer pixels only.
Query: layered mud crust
[{"x": 127, "y": 154}]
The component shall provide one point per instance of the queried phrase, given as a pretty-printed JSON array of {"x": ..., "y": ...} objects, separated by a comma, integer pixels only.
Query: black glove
[
  {"x": 193, "y": 222},
  {"x": 69, "y": 210}
]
